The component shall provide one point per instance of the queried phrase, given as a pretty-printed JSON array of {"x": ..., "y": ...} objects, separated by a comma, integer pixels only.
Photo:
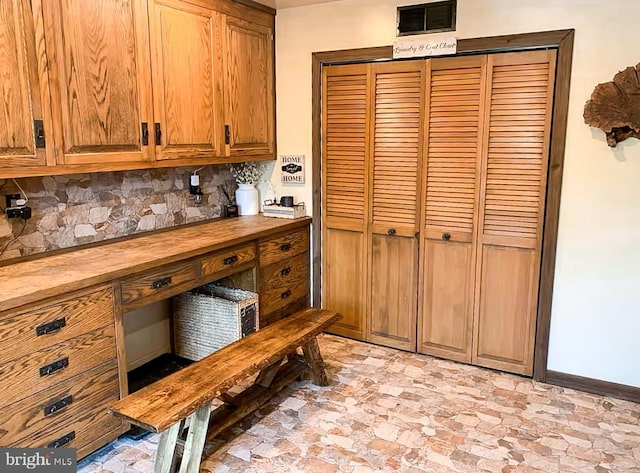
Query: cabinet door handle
[
  {"x": 51, "y": 327},
  {"x": 231, "y": 260},
  {"x": 285, "y": 247},
  {"x": 57, "y": 406},
  {"x": 446, "y": 236},
  {"x": 285, "y": 271},
  {"x": 145, "y": 133},
  {"x": 391, "y": 231},
  {"x": 227, "y": 135},
  {"x": 285, "y": 294},
  {"x": 38, "y": 129},
  {"x": 62, "y": 441},
  {"x": 160, "y": 283},
  {"x": 158, "y": 133},
  {"x": 54, "y": 367}
]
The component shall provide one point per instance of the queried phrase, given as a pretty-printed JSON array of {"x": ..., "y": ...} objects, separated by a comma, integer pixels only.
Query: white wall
[{"x": 595, "y": 327}]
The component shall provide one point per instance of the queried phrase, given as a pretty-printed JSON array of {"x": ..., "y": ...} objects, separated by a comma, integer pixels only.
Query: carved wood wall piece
[{"x": 614, "y": 106}]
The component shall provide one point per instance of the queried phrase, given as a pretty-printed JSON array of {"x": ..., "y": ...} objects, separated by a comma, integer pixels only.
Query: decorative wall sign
[
  {"x": 614, "y": 106},
  {"x": 292, "y": 169},
  {"x": 424, "y": 47}
]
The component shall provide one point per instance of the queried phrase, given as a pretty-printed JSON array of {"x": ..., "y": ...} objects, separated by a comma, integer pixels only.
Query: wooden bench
[{"x": 165, "y": 405}]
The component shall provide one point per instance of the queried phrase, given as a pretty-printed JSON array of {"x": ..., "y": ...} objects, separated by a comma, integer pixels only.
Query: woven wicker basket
[{"x": 210, "y": 317}]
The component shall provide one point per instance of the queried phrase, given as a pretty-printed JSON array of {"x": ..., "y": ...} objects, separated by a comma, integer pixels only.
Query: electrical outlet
[{"x": 11, "y": 200}]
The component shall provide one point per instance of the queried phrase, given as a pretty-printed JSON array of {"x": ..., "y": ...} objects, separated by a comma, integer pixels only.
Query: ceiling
[{"x": 279, "y": 4}]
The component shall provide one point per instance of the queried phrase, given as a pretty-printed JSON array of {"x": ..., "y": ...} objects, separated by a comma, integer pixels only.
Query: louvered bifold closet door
[
  {"x": 396, "y": 144},
  {"x": 520, "y": 96},
  {"x": 345, "y": 152},
  {"x": 454, "y": 124}
]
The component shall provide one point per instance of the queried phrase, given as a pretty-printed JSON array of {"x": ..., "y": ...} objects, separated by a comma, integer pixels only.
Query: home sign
[{"x": 292, "y": 169}]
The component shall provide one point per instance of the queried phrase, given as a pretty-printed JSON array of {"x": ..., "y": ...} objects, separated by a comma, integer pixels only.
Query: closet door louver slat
[
  {"x": 345, "y": 138},
  {"x": 396, "y": 145},
  {"x": 520, "y": 96},
  {"x": 454, "y": 136}
]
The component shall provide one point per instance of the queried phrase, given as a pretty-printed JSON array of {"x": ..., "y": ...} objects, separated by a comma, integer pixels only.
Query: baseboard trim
[{"x": 595, "y": 386}]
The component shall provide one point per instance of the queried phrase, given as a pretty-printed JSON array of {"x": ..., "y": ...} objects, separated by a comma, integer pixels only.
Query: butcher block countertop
[{"x": 34, "y": 280}]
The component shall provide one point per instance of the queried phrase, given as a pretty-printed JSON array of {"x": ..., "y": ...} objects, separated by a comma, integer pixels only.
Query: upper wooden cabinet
[
  {"x": 21, "y": 127},
  {"x": 249, "y": 96},
  {"x": 187, "y": 80},
  {"x": 118, "y": 84},
  {"x": 100, "y": 80}
]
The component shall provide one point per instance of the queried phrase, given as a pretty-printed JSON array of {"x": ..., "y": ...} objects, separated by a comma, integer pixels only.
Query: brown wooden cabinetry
[
  {"x": 249, "y": 115},
  {"x": 125, "y": 85},
  {"x": 59, "y": 370},
  {"x": 22, "y": 135},
  {"x": 187, "y": 76},
  {"x": 100, "y": 80}
]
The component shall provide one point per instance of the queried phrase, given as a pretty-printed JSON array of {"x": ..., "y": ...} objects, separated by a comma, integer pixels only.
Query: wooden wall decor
[{"x": 614, "y": 106}]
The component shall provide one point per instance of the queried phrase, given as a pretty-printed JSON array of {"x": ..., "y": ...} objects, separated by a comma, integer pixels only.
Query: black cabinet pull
[
  {"x": 446, "y": 236},
  {"x": 391, "y": 231},
  {"x": 62, "y": 441},
  {"x": 160, "y": 283},
  {"x": 285, "y": 271},
  {"x": 231, "y": 260},
  {"x": 51, "y": 327},
  {"x": 54, "y": 367},
  {"x": 145, "y": 133},
  {"x": 285, "y": 247},
  {"x": 57, "y": 406},
  {"x": 158, "y": 133},
  {"x": 285, "y": 294},
  {"x": 227, "y": 135},
  {"x": 38, "y": 131}
]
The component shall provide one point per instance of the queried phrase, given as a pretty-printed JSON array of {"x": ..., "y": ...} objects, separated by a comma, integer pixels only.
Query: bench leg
[
  {"x": 195, "y": 440},
  {"x": 166, "y": 449},
  {"x": 312, "y": 354}
]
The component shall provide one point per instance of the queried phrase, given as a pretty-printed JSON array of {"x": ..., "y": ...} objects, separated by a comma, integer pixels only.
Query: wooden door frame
[{"x": 562, "y": 41}]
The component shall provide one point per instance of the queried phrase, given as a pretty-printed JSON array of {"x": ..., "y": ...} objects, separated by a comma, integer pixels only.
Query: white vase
[{"x": 248, "y": 199}]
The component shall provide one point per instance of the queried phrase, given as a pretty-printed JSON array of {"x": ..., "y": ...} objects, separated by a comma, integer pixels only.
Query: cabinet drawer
[
  {"x": 46, "y": 368},
  {"x": 27, "y": 332},
  {"x": 159, "y": 284},
  {"x": 283, "y": 312},
  {"x": 283, "y": 247},
  {"x": 283, "y": 283},
  {"x": 227, "y": 259},
  {"x": 44, "y": 414}
]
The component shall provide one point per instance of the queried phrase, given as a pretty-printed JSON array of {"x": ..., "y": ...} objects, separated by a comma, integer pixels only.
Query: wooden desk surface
[{"x": 34, "y": 280}]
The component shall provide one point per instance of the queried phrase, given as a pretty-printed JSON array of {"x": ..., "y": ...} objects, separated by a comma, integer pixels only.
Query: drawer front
[
  {"x": 82, "y": 431},
  {"x": 159, "y": 283},
  {"x": 283, "y": 312},
  {"x": 284, "y": 246},
  {"x": 227, "y": 259},
  {"x": 44, "y": 414},
  {"x": 27, "y": 332},
  {"x": 46, "y": 368},
  {"x": 284, "y": 282}
]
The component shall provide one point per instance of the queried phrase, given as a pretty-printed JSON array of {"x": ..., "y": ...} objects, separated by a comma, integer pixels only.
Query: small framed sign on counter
[{"x": 292, "y": 169}]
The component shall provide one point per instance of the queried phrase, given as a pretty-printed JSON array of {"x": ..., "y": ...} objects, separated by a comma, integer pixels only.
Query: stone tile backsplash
[{"x": 77, "y": 209}]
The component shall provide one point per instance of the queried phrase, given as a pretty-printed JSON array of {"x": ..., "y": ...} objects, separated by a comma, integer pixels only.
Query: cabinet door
[
  {"x": 186, "y": 73},
  {"x": 397, "y": 145},
  {"x": 519, "y": 97},
  {"x": 20, "y": 95},
  {"x": 451, "y": 184},
  {"x": 249, "y": 94},
  {"x": 345, "y": 156},
  {"x": 99, "y": 79}
]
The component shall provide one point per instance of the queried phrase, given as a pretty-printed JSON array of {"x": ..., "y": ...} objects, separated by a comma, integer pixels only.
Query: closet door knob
[
  {"x": 391, "y": 231},
  {"x": 446, "y": 237}
]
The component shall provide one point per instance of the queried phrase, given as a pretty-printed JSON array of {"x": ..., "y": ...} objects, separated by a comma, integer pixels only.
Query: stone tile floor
[{"x": 388, "y": 410}]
